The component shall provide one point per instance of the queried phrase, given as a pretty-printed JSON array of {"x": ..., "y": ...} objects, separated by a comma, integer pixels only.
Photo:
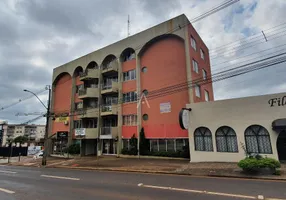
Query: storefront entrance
[
  {"x": 281, "y": 146},
  {"x": 108, "y": 146}
]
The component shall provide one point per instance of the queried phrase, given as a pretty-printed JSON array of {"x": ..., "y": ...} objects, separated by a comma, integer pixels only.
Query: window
[
  {"x": 90, "y": 123},
  {"x": 203, "y": 139},
  {"x": 226, "y": 140},
  {"x": 125, "y": 143},
  {"x": 162, "y": 145},
  {"x": 77, "y": 124},
  {"x": 130, "y": 97},
  {"x": 207, "y": 98},
  {"x": 145, "y": 117},
  {"x": 144, "y": 69},
  {"x": 195, "y": 66},
  {"x": 204, "y": 74},
  {"x": 257, "y": 140},
  {"x": 129, "y": 75},
  {"x": 154, "y": 145},
  {"x": 198, "y": 91},
  {"x": 193, "y": 43},
  {"x": 202, "y": 54},
  {"x": 129, "y": 120}
]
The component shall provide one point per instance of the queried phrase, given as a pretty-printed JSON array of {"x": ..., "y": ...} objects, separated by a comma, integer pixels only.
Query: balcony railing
[
  {"x": 86, "y": 73},
  {"x": 106, "y": 108},
  {"x": 106, "y": 130}
]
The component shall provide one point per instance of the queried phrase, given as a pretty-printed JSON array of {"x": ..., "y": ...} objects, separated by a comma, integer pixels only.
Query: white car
[{"x": 38, "y": 155}]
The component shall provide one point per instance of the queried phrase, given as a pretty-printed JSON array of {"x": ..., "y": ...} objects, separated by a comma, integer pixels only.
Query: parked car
[{"x": 39, "y": 154}]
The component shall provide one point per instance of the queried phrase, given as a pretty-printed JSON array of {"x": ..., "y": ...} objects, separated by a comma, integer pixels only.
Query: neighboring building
[
  {"x": 35, "y": 133},
  {"x": 221, "y": 131},
  {"x": 3, "y": 132},
  {"x": 98, "y": 92}
]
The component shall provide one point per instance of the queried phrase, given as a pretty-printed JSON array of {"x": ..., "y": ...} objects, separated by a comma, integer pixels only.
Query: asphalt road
[{"x": 27, "y": 183}]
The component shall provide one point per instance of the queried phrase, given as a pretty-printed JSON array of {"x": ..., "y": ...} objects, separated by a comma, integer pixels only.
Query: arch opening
[
  {"x": 107, "y": 61},
  {"x": 127, "y": 54},
  {"x": 77, "y": 71},
  {"x": 92, "y": 65}
]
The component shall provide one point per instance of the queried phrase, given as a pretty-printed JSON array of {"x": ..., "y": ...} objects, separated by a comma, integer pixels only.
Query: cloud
[{"x": 38, "y": 35}]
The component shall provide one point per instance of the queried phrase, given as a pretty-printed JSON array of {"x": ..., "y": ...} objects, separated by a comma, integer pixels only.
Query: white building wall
[{"x": 237, "y": 114}]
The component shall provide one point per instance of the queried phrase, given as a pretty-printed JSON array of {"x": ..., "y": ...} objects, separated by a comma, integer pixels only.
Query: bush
[
  {"x": 131, "y": 151},
  {"x": 253, "y": 164},
  {"x": 72, "y": 149}
]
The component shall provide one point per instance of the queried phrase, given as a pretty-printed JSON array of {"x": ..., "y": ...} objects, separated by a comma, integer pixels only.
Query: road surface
[{"x": 26, "y": 183}]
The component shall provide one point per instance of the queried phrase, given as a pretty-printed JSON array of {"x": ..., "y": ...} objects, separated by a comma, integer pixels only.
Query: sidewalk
[{"x": 146, "y": 165}]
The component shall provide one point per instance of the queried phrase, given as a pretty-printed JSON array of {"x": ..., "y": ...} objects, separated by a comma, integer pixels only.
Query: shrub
[
  {"x": 72, "y": 149},
  {"x": 253, "y": 164}
]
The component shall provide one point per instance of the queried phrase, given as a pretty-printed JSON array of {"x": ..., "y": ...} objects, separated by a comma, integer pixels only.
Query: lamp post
[{"x": 48, "y": 87}]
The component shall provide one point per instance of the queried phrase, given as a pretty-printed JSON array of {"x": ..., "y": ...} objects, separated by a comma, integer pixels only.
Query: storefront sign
[
  {"x": 62, "y": 119},
  {"x": 80, "y": 132},
  {"x": 62, "y": 134},
  {"x": 32, "y": 150},
  {"x": 280, "y": 101},
  {"x": 165, "y": 107}
]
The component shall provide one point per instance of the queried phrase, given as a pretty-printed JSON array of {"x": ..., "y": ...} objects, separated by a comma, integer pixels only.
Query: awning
[{"x": 279, "y": 124}]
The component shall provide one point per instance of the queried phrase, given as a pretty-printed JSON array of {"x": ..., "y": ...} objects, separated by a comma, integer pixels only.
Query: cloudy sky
[{"x": 38, "y": 35}]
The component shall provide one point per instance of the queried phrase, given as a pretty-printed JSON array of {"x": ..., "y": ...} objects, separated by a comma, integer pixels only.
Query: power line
[
  {"x": 32, "y": 120},
  {"x": 226, "y": 74},
  {"x": 21, "y": 100}
]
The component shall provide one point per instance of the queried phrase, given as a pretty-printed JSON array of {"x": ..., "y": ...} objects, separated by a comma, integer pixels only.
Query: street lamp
[{"x": 48, "y": 87}]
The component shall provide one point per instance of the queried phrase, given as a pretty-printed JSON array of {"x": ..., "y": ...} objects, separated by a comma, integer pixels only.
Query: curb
[{"x": 167, "y": 173}]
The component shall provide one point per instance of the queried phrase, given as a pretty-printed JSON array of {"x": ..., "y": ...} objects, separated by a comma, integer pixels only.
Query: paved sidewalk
[{"x": 146, "y": 165}]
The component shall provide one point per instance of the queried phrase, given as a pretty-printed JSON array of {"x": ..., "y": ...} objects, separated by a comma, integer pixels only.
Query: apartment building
[
  {"x": 34, "y": 133},
  {"x": 97, "y": 98}
]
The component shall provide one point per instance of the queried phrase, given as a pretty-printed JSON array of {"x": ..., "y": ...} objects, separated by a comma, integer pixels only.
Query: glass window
[
  {"x": 203, "y": 139},
  {"x": 198, "y": 91},
  {"x": 207, "y": 95},
  {"x": 129, "y": 75},
  {"x": 204, "y": 74},
  {"x": 202, "y": 54},
  {"x": 170, "y": 145},
  {"x": 154, "y": 145},
  {"x": 179, "y": 144},
  {"x": 257, "y": 140},
  {"x": 193, "y": 43},
  {"x": 162, "y": 145},
  {"x": 195, "y": 66},
  {"x": 226, "y": 140},
  {"x": 145, "y": 92}
]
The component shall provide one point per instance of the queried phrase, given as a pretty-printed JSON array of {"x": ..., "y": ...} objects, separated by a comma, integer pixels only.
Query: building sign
[
  {"x": 80, "y": 132},
  {"x": 184, "y": 118},
  {"x": 62, "y": 134},
  {"x": 280, "y": 101},
  {"x": 165, "y": 107},
  {"x": 62, "y": 119},
  {"x": 32, "y": 150}
]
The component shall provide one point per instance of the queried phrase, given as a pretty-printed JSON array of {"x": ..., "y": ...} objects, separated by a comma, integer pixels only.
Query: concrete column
[
  {"x": 188, "y": 63},
  {"x": 120, "y": 101},
  {"x": 138, "y": 86},
  {"x": 99, "y": 121},
  {"x": 71, "y": 124}
]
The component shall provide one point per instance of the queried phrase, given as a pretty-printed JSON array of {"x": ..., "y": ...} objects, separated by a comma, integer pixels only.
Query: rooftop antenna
[{"x": 128, "y": 27}]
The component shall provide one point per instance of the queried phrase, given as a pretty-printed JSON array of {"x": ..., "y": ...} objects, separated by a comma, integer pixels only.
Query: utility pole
[
  {"x": 44, "y": 160},
  {"x": 48, "y": 87}
]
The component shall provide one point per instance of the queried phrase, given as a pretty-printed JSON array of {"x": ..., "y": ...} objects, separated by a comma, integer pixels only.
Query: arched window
[
  {"x": 257, "y": 140},
  {"x": 226, "y": 140},
  {"x": 203, "y": 139}
]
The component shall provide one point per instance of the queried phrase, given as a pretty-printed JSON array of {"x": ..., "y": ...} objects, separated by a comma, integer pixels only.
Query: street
[{"x": 47, "y": 184}]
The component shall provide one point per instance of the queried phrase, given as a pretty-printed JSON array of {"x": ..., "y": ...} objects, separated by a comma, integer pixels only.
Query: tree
[
  {"x": 144, "y": 144},
  {"x": 21, "y": 140},
  {"x": 133, "y": 145}
]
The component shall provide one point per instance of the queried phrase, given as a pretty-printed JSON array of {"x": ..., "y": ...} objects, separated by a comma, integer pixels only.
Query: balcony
[
  {"x": 89, "y": 92},
  {"x": 109, "y": 110},
  {"x": 110, "y": 88},
  {"x": 110, "y": 68},
  {"x": 89, "y": 112},
  {"x": 108, "y": 132},
  {"x": 86, "y": 133},
  {"x": 89, "y": 74}
]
